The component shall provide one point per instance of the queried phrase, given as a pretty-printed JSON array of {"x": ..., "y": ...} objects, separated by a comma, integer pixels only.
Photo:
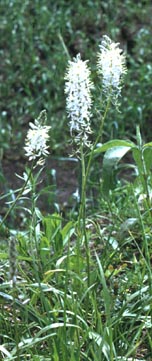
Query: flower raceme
[
  {"x": 36, "y": 140},
  {"x": 78, "y": 90},
  {"x": 111, "y": 65}
]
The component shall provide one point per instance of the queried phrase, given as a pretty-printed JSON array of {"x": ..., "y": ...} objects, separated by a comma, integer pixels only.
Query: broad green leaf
[
  {"x": 4, "y": 255},
  {"x": 22, "y": 258},
  {"x": 50, "y": 273},
  {"x": 147, "y": 153},
  {"x": 52, "y": 225},
  {"x": 147, "y": 145},
  {"x": 143, "y": 162},
  {"x": 112, "y": 144},
  {"x": 137, "y": 157},
  {"x": 72, "y": 262},
  {"x": 110, "y": 161},
  {"x": 67, "y": 232}
]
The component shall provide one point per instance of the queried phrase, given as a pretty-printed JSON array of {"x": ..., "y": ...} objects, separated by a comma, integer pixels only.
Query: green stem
[
  {"x": 15, "y": 316},
  {"x": 65, "y": 355},
  {"x": 145, "y": 176},
  {"x": 143, "y": 173},
  {"x": 83, "y": 213},
  {"x": 81, "y": 208},
  {"x": 147, "y": 257},
  {"x": 98, "y": 137},
  {"x": 34, "y": 242},
  {"x": 17, "y": 198}
]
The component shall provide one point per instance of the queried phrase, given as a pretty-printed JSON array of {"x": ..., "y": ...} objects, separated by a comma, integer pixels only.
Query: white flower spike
[
  {"x": 111, "y": 65},
  {"x": 36, "y": 140},
  {"x": 78, "y": 90}
]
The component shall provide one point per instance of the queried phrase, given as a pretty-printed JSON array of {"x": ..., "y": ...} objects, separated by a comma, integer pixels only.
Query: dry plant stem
[{"x": 18, "y": 197}]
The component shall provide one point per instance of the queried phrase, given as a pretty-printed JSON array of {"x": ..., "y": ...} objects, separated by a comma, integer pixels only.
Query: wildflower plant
[
  {"x": 36, "y": 150},
  {"x": 78, "y": 87},
  {"x": 111, "y": 67}
]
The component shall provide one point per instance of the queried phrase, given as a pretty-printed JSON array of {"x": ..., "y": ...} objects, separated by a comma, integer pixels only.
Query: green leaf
[
  {"x": 110, "y": 161},
  {"x": 143, "y": 161},
  {"x": 137, "y": 157},
  {"x": 52, "y": 225},
  {"x": 147, "y": 145},
  {"x": 67, "y": 232},
  {"x": 106, "y": 293},
  {"x": 147, "y": 153},
  {"x": 72, "y": 262},
  {"x": 4, "y": 255},
  {"x": 112, "y": 144}
]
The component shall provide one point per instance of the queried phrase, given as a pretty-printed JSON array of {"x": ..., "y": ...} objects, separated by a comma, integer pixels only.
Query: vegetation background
[{"x": 37, "y": 40}]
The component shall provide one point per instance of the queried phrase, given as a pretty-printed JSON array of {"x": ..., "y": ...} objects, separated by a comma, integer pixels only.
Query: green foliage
[
  {"x": 53, "y": 303},
  {"x": 37, "y": 40},
  {"x": 114, "y": 151}
]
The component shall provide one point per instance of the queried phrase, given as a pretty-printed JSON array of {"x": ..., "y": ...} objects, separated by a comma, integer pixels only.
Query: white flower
[
  {"x": 78, "y": 89},
  {"x": 36, "y": 140},
  {"x": 111, "y": 64}
]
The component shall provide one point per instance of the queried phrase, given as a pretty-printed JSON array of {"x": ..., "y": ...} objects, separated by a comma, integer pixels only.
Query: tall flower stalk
[
  {"x": 36, "y": 150},
  {"x": 78, "y": 87},
  {"x": 111, "y": 68}
]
